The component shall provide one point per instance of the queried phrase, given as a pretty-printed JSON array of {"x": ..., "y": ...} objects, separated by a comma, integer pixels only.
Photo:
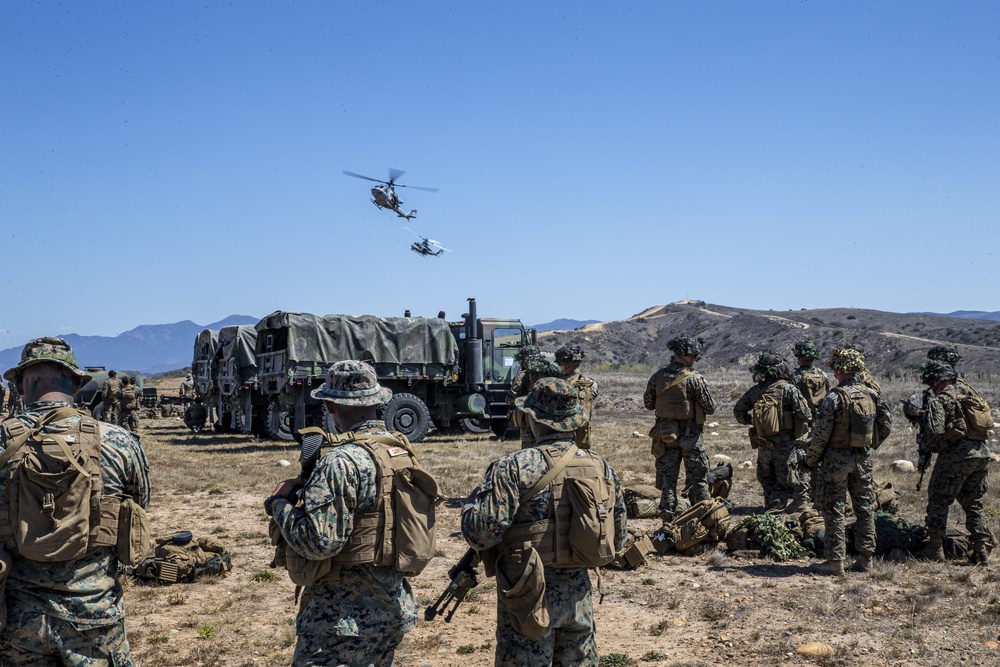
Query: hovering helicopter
[
  {"x": 424, "y": 248},
  {"x": 384, "y": 196}
]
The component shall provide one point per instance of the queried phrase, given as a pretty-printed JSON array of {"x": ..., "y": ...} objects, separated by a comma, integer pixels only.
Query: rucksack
[
  {"x": 54, "y": 508},
  {"x": 705, "y": 521},
  {"x": 813, "y": 385},
  {"x": 859, "y": 411},
  {"x": 767, "y": 411},
  {"x": 978, "y": 416},
  {"x": 181, "y": 558}
]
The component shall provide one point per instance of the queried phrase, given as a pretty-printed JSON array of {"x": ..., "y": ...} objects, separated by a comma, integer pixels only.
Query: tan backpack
[
  {"x": 707, "y": 520},
  {"x": 767, "y": 411},
  {"x": 55, "y": 509},
  {"x": 812, "y": 383},
  {"x": 859, "y": 414},
  {"x": 978, "y": 415}
]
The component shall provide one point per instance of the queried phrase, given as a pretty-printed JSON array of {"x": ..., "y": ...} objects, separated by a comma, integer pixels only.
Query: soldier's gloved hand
[{"x": 922, "y": 462}]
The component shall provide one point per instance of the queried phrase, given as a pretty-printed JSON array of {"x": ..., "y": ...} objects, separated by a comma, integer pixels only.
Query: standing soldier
[
  {"x": 186, "y": 390},
  {"x": 681, "y": 399},
  {"x": 569, "y": 358},
  {"x": 63, "y": 596},
  {"x": 954, "y": 426},
  {"x": 549, "y": 618},
  {"x": 111, "y": 390},
  {"x": 15, "y": 405},
  {"x": 533, "y": 368},
  {"x": 812, "y": 382},
  {"x": 852, "y": 420},
  {"x": 356, "y": 604},
  {"x": 779, "y": 418},
  {"x": 129, "y": 397}
]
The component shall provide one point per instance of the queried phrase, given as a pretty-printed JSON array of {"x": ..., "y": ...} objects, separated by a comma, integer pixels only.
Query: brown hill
[{"x": 893, "y": 342}]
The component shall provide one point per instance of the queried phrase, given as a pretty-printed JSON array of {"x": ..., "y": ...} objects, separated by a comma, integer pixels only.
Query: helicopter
[
  {"x": 423, "y": 246},
  {"x": 384, "y": 196}
]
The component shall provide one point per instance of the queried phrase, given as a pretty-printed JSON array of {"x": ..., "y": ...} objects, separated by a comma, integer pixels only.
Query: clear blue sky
[{"x": 170, "y": 161}]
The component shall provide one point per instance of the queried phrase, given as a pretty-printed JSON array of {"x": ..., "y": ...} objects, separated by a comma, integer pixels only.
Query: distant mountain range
[
  {"x": 150, "y": 348},
  {"x": 562, "y": 325},
  {"x": 970, "y": 315}
]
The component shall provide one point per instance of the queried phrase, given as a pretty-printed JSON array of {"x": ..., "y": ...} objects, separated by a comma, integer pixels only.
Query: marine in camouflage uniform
[
  {"x": 678, "y": 437},
  {"x": 960, "y": 472},
  {"x": 130, "y": 398},
  {"x": 842, "y": 469},
  {"x": 15, "y": 405},
  {"x": 186, "y": 391},
  {"x": 915, "y": 408},
  {"x": 70, "y": 613},
  {"x": 778, "y": 456},
  {"x": 533, "y": 368},
  {"x": 494, "y": 506},
  {"x": 811, "y": 381},
  {"x": 569, "y": 358},
  {"x": 359, "y": 619},
  {"x": 110, "y": 390}
]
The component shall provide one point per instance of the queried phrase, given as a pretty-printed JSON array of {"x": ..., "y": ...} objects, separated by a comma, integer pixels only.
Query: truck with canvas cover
[
  {"x": 203, "y": 369},
  {"x": 441, "y": 373},
  {"x": 237, "y": 378}
]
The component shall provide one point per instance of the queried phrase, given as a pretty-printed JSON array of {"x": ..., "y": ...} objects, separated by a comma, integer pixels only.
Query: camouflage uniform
[
  {"x": 961, "y": 469},
  {"x": 72, "y": 612},
  {"x": 110, "y": 390},
  {"x": 130, "y": 397},
  {"x": 195, "y": 416},
  {"x": 801, "y": 374},
  {"x": 842, "y": 468},
  {"x": 360, "y": 618},
  {"x": 15, "y": 405},
  {"x": 186, "y": 390},
  {"x": 690, "y": 446},
  {"x": 536, "y": 369},
  {"x": 778, "y": 457},
  {"x": 493, "y": 507}
]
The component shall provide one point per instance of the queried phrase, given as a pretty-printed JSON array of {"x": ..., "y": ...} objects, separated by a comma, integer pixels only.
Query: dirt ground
[{"x": 675, "y": 610}]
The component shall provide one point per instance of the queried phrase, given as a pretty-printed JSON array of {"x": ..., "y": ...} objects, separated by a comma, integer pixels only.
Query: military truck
[
  {"x": 203, "y": 369},
  {"x": 236, "y": 362},
  {"x": 91, "y": 395},
  {"x": 441, "y": 373}
]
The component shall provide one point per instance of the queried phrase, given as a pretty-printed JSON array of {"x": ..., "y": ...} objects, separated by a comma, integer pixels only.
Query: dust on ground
[{"x": 676, "y": 610}]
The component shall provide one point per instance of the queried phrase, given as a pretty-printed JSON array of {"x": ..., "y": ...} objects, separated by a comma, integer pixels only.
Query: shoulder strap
[
  {"x": 549, "y": 476},
  {"x": 680, "y": 377},
  {"x": 25, "y": 434}
]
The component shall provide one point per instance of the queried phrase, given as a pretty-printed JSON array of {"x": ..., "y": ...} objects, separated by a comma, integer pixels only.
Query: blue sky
[{"x": 171, "y": 161}]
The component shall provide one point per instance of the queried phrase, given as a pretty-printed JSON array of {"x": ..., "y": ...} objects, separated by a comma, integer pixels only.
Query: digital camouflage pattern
[
  {"x": 936, "y": 371},
  {"x": 686, "y": 345},
  {"x": 130, "y": 400},
  {"x": 944, "y": 353},
  {"x": 536, "y": 369},
  {"x": 960, "y": 471},
  {"x": 847, "y": 360},
  {"x": 806, "y": 349},
  {"x": 373, "y": 605},
  {"x": 767, "y": 367},
  {"x": 352, "y": 383},
  {"x": 493, "y": 507},
  {"x": 47, "y": 350},
  {"x": 570, "y": 354},
  {"x": 552, "y": 401},
  {"x": 778, "y": 457},
  {"x": 110, "y": 391},
  {"x": 689, "y": 447},
  {"x": 50, "y": 602}
]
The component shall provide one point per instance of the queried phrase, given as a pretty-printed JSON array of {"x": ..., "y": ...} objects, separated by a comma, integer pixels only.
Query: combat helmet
[
  {"x": 944, "y": 353},
  {"x": 47, "y": 350},
  {"x": 934, "y": 371},
  {"x": 569, "y": 354},
  {"x": 847, "y": 360},
  {"x": 528, "y": 352},
  {"x": 767, "y": 367},
  {"x": 686, "y": 345},
  {"x": 805, "y": 349}
]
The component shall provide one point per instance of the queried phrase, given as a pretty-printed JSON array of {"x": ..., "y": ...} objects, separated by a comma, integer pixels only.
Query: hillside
[{"x": 893, "y": 342}]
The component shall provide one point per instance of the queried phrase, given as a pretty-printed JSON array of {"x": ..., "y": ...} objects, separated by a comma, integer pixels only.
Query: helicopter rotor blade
[
  {"x": 438, "y": 245},
  {"x": 367, "y": 178},
  {"x": 394, "y": 174},
  {"x": 413, "y": 232},
  {"x": 416, "y": 187}
]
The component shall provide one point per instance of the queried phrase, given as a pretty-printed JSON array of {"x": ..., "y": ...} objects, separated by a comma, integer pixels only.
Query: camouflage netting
[
  {"x": 771, "y": 536},
  {"x": 389, "y": 340}
]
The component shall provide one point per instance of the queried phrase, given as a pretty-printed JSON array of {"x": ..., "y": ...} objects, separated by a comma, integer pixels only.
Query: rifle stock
[{"x": 463, "y": 579}]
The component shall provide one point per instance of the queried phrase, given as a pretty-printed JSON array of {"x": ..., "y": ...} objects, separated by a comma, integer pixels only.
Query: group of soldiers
[
  {"x": 122, "y": 400},
  {"x": 815, "y": 442},
  {"x": 11, "y": 399}
]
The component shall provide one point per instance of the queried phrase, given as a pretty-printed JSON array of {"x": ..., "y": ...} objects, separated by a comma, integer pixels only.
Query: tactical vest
[
  {"x": 812, "y": 384},
  {"x": 111, "y": 388},
  {"x": 585, "y": 393},
  {"x": 575, "y": 534},
  {"x": 853, "y": 426},
  {"x": 672, "y": 400},
  {"x": 397, "y": 533},
  {"x": 54, "y": 508},
  {"x": 130, "y": 398}
]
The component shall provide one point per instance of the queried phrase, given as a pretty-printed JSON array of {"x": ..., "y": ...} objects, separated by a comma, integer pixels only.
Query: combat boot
[
  {"x": 934, "y": 550},
  {"x": 828, "y": 567},
  {"x": 980, "y": 553},
  {"x": 863, "y": 563}
]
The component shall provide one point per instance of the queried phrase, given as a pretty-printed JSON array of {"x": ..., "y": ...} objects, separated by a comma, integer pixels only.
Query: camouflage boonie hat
[
  {"x": 568, "y": 354},
  {"x": 352, "y": 383},
  {"x": 806, "y": 349},
  {"x": 934, "y": 370},
  {"x": 527, "y": 352},
  {"x": 767, "y": 366},
  {"x": 47, "y": 350},
  {"x": 685, "y": 345},
  {"x": 847, "y": 360},
  {"x": 553, "y": 402},
  {"x": 946, "y": 353}
]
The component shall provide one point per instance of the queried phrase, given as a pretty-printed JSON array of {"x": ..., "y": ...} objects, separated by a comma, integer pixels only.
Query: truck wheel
[
  {"x": 277, "y": 423},
  {"x": 407, "y": 414},
  {"x": 97, "y": 411},
  {"x": 477, "y": 426}
]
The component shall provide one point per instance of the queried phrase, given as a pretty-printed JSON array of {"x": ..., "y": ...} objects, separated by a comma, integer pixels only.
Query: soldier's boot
[
  {"x": 981, "y": 553},
  {"x": 828, "y": 567},
  {"x": 935, "y": 549},
  {"x": 863, "y": 563}
]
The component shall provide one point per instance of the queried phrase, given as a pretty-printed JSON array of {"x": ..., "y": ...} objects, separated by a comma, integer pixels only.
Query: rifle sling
[{"x": 550, "y": 475}]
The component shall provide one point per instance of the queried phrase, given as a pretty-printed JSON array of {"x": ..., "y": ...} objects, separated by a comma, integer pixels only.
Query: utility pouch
[
  {"x": 301, "y": 570},
  {"x": 752, "y": 434},
  {"x": 133, "y": 532},
  {"x": 521, "y": 591},
  {"x": 664, "y": 432}
]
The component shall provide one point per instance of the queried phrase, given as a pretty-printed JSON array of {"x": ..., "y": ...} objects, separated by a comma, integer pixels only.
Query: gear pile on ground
[{"x": 694, "y": 530}]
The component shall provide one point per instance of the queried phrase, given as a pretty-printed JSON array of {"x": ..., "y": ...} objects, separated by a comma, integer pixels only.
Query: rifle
[
  {"x": 922, "y": 467},
  {"x": 463, "y": 579}
]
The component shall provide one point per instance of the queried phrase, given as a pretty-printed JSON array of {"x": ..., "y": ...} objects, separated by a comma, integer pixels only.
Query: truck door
[{"x": 499, "y": 365}]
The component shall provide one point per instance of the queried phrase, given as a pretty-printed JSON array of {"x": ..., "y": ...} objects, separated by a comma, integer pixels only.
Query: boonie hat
[
  {"x": 847, "y": 360},
  {"x": 946, "y": 353},
  {"x": 352, "y": 383},
  {"x": 47, "y": 350},
  {"x": 767, "y": 366},
  {"x": 553, "y": 402},
  {"x": 527, "y": 352},
  {"x": 935, "y": 370},
  {"x": 568, "y": 354},
  {"x": 685, "y": 345},
  {"x": 806, "y": 349}
]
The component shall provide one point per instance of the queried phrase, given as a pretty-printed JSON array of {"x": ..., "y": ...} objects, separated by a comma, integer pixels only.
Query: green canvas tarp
[
  {"x": 383, "y": 340},
  {"x": 241, "y": 344}
]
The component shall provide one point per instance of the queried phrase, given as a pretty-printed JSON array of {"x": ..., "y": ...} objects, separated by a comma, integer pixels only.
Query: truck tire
[
  {"x": 97, "y": 411},
  {"x": 477, "y": 426},
  {"x": 277, "y": 423},
  {"x": 407, "y": 414}
]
